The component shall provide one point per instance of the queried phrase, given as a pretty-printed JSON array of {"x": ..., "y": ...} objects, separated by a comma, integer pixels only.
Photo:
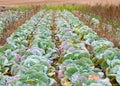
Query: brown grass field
[{"x": 57, "y": 2}]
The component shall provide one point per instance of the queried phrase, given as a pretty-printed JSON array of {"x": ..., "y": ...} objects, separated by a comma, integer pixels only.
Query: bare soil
[{"x": 56, "y": 2}]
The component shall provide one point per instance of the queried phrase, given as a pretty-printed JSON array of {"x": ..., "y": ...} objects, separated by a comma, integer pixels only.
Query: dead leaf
[
  {"x": 65, "y": 82},
  {"x": 93, "y": 77}
]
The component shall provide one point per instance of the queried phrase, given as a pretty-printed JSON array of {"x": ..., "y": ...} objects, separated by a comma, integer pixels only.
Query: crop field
[{"x": 71, "y": 45}]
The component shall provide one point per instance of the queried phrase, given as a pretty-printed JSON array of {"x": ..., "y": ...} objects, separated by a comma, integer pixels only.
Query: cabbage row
[
  {"x": 37, "y": 59},
  {"x": 77, "y": 68},
  {"x": 103, "y": 52},
  {"x": 9, "y": 17},
  {"x": 14, "y": 56}
]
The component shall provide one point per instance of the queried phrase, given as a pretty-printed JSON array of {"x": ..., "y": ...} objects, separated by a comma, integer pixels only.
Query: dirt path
[{"x": 57, "y": 2}]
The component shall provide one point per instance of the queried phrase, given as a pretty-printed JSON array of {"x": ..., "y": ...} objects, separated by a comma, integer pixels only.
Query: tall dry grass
[{"x": 107, "y": 13}]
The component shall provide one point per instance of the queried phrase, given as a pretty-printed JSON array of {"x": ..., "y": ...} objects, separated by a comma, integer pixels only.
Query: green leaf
[{"x": 70, "y": 71}]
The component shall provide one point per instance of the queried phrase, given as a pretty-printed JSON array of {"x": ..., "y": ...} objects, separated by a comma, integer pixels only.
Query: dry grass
[{"x": 109, "y": 14}]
